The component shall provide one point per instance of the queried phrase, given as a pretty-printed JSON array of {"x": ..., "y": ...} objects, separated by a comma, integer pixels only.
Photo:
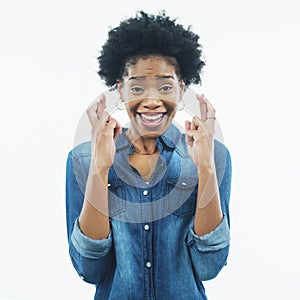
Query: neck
[{"x": 142, "y": 145}]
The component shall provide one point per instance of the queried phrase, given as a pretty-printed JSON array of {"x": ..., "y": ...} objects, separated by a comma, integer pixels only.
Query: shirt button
[
  {"x": 148, "y": 264},
  {"x": 147, "y": 227},
  {"x": 145, "y": 192}
]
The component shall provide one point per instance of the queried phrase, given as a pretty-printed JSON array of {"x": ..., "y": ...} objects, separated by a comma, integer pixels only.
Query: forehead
[{"x": 151, "y": 67}]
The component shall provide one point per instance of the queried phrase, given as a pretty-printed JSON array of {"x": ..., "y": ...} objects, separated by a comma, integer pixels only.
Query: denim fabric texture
[{"x": 152, "y": 251}]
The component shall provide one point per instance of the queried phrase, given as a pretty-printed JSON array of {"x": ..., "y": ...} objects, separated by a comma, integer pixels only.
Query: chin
[
  {"x": 140, "y": 131},
  {"x": 152, "y": 132}
]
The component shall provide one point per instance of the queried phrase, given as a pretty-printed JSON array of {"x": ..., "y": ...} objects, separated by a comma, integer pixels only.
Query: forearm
[
  {"x": 94, "y": 216},
  {"x": 92, "y": 259},
  {"x": 208, "y": 213}
]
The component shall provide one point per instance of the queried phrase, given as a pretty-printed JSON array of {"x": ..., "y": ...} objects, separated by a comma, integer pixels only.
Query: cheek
[
  {"x": 132, "y": 106},
  {"x": 171, "y": 106},
  {"x": 129, "y": 112}
]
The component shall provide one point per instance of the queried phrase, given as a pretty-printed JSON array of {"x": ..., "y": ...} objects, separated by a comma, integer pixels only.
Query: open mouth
[{"x": 152, "y": 120}]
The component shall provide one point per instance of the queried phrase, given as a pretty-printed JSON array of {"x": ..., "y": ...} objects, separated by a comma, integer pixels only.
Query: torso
[{"x": 144, "y": 163}]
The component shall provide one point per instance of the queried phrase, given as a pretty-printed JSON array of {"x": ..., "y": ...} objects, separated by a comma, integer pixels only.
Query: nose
[{"x": 151, "y": 103}]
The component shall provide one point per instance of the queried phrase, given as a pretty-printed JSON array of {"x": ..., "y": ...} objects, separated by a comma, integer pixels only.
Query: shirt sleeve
[
  {"x": 209, "y": 252},
  {"x": 88, "y": 247},
  {"x": 90, "y": 258},
  {"x": 217, "y": 239}
]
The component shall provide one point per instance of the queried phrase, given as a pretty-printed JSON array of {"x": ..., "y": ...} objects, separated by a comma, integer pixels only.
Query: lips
[{"x": 151, "y": 120}]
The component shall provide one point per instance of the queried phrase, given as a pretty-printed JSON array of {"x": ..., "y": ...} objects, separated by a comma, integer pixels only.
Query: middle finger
[
  {"x": 101, "y": 106},
  {"x": 203, "y": 107}
]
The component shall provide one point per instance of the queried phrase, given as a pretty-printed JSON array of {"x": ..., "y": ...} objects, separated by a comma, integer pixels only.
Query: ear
[
  {"x": 182, "y": 87},
  {"x": 120, "y": 89}
]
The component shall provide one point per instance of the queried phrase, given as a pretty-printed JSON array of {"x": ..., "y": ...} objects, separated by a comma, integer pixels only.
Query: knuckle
[
  {"x": 106, "y": 133},
  {"x": 88, "y": 112}
]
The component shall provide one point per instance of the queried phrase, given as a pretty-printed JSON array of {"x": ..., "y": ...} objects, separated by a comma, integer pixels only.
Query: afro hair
[{"x": 146, "y": 35}]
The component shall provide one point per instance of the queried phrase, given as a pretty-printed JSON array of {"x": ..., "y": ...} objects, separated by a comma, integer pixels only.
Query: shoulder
[
  {"x": 222, "y": 154},
  {"x": 222, "y": 161},
  {"x": 78, "y": 163},
  {"x": 81, "y": 150},
  {"x": 220, "y": 149}
]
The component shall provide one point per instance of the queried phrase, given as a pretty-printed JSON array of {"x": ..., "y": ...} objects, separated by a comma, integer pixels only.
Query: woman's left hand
[{"x": 200, "y": 135}]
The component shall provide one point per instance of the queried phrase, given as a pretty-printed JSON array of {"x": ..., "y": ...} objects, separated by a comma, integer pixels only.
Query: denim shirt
[{"x": 152, "y": 251}]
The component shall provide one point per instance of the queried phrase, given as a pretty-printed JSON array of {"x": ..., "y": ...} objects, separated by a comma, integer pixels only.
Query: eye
[
  {"x": 166, "y": 88},
  {"x": 136, "y": 90}
]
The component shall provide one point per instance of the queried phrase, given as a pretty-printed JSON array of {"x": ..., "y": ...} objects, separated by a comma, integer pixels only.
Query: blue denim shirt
[{"x": 152, "y": 251}]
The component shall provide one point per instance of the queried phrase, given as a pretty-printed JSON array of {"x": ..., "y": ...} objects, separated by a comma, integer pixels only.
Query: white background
[{"x": 48, "y": 78}]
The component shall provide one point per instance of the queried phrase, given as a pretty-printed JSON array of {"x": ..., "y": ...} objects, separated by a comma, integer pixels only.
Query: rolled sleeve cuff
[
  {"x": 217, "y": 239},
  {"x": 88, "y": 247}
]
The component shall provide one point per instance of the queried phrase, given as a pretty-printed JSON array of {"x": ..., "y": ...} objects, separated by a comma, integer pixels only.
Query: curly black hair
[{"x": 146, "y": 35}]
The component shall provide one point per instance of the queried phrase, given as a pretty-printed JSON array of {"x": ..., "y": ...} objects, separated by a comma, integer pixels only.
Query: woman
[{"x": 147, "y": 206}]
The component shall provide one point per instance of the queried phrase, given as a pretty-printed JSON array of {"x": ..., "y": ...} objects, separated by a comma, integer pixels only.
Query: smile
[{"x": 151, "y": 120}]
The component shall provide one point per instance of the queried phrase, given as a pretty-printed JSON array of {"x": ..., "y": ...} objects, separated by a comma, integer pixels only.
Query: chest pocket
[
  {"x": 116, "y": 194},
  {"x": 181, "y": 196}
]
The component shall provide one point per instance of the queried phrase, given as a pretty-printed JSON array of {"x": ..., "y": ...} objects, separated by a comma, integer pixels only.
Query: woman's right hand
[{"x": 105, "y": 131}]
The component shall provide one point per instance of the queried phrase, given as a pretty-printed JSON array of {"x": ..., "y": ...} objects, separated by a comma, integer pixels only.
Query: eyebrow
[{"x": 157, "y": 77}]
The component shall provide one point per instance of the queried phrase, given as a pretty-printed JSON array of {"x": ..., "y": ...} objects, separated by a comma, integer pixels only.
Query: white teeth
[{"x": 153, "y": 117}]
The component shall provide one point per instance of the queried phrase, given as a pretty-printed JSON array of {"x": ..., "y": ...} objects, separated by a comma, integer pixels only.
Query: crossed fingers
[
  {"x": 101, "y": 120},
  {"x": 202, "y": 127}
]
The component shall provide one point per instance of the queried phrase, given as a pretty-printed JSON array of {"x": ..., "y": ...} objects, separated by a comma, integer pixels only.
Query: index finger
[
  {"x": 92, "y": 114},
  {"x": 203, "y": 106},
  {"x": 211, "y": 112},
  {"x": 101, "y": 106}
]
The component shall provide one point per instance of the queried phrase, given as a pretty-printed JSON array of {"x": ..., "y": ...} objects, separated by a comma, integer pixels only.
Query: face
[{"x": 151, "y": 91}]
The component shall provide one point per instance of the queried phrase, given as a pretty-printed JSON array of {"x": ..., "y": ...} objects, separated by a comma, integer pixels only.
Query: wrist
[
  {"x": 98, "y": 171},
  {"x": 206, "y": 169}
]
